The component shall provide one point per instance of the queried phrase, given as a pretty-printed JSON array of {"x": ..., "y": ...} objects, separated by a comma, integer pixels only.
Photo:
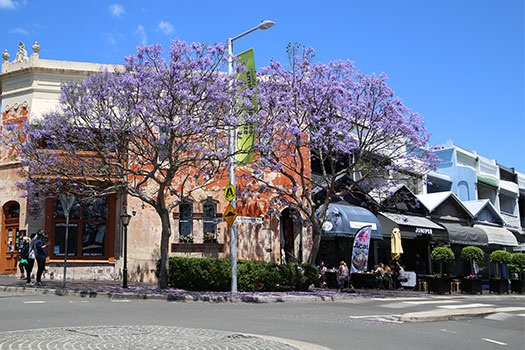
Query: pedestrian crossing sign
[{"x": 229, "y": 192}]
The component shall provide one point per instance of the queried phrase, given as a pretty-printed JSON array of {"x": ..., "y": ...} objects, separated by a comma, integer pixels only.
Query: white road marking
[
  {"x": 424, "y": 302},
  {"x": 34, "y": 302},
  {"x": 120, "y": 300},
  {"x": 464, "y": 306},
  {"x": 447, "y": 331},
  {"x": 494, "y": 341},
  {"x": 499, "y": 316}
]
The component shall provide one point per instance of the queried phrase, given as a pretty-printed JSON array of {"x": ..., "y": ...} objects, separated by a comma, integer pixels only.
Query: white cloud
[
  {"x": 110, "y": 39},
  {"x": 19, "y": 30},
  {"x": 8, "y": 4},
  {"x": 166, "y": 27},
  {"x": 116, "y": 10},
  {"x": 141, "y": 32}
]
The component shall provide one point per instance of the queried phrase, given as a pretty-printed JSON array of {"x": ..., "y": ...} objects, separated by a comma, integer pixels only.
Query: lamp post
[
  {"x": 125, "y": 217},
  {"x": 231, "y": 148},
  {"x": 67, "y": 201}
]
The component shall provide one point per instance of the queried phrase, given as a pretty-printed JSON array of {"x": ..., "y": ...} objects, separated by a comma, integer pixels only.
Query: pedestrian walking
[
  {"x": 30, "y": 258},
  {"x": 23, "y": 254},
  {"x": 40, "y": 255}
]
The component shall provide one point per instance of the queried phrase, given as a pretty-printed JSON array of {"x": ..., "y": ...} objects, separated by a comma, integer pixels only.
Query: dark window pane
[
  {"x": 74, "y": 213},
  {"x": 93, "y": 239},
  {"x": 209, "y": 218},
  {"x": 185, "y": 219},
  {"x": 94, "y": 209},
  {"x": 60, "y": 239}
]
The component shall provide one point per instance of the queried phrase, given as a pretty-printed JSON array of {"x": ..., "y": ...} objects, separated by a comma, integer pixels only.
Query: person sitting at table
[
  {"x": 379, "y": 271},
  {"x": 322, "y": 274},
  {"x": 343, "y": 274},
  {"x": 387, "y": 277},
  {"x": 401, "y": 276}
]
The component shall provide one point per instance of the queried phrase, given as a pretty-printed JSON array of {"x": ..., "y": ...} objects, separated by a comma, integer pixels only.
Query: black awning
[
  {"x": 465, "y": 235},
  {"x": 343, "y": 220},
  {"x": 412, "y": 226}
]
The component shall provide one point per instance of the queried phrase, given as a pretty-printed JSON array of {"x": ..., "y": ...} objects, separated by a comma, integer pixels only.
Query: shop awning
[
  {"x": 519, "y": 237},
  {"x": 498, "y": 235},
  {"x": 412, "y": 226},
  {"x": 465, "y": 235},
  {"x": 343, "y": 220}
]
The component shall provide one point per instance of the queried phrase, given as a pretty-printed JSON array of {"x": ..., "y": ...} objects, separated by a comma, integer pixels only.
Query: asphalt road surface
[{"x": 36, "y": 321}]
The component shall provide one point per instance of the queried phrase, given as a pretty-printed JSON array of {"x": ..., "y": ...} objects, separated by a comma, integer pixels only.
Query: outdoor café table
[
  {"x": 331, "y": 278},
  {"x": 363, "y": 280}
]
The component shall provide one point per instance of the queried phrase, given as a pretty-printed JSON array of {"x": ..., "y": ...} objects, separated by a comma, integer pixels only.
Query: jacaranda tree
[
  {"x": 155, "y": 129},
  {"x": 327, "y": 128}
]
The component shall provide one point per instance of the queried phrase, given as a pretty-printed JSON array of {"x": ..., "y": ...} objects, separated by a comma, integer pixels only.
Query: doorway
[
  {"x": 10, "y": 238},
  {"x": 291, "y": 237}
]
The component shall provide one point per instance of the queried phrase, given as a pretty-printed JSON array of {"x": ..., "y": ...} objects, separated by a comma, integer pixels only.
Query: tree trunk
[{"x": 164, "y": 247}]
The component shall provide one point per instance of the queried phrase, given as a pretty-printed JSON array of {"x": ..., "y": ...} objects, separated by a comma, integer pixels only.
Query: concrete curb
[
  {"x": 447, "y": 315},
  {"x": 179, "y": 297}
]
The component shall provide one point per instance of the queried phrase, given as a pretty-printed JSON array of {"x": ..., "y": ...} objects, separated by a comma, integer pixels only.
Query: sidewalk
[{"x": 114, "y": 290}]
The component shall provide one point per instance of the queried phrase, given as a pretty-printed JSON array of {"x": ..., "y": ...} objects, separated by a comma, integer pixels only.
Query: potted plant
[
  {"x": 471, "y": 283},
  {"x": 499, "y": 284},
  {"x": 440, "y": 283},
  {"x": 186, "y": 238},
  {"x": 517, "y": 267},
  {"x": 209, "y": 237}
]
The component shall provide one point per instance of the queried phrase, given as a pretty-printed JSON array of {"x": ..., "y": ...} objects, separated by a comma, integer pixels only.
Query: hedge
[{"x": 211, "y": 274}]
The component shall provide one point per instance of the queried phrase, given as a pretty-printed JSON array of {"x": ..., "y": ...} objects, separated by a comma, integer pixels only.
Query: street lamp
[
  {"x": 125, "y": 217},
  {"x": 67, "y": 201},
  {"x": 231, "y": 148}
]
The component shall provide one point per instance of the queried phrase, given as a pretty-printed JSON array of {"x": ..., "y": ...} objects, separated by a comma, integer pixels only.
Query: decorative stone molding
[
  {"x": 16, "y": 113},
  {"x": 21, "y": 55}
]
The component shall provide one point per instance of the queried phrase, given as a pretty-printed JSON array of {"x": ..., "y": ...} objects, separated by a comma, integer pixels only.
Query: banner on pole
[
  {"x": 246, "y": 131},
  {"x": 360, "y": 250}
]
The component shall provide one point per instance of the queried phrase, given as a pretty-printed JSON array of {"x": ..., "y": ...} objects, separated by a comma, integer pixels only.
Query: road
[{"x": 371, "y": 323}]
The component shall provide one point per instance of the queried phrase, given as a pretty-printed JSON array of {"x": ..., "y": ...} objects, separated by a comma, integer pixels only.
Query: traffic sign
[
  {"x": 230, "y": 214},
  {"x": 229, "y": 192}
]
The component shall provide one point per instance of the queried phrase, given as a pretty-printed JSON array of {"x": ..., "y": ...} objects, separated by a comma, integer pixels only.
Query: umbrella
[{"x": 395, "y": 244}]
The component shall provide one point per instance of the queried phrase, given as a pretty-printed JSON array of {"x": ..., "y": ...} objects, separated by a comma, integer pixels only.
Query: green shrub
[
  {"x": 252, "y": 276},
  {"x": 442, "y": 254},
  {"x": 500, "y": 257},
  {"x": 517, "y": 263},
  {"x": 472, "y": 253}
]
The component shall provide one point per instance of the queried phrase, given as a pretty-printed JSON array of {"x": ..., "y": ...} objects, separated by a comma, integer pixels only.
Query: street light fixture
[
  {"x": 231, "y": 148},
  {"x": 125, "y": 217}
]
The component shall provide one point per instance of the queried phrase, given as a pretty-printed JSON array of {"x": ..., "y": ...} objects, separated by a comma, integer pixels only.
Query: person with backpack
[
  {"x": 40, "y": 255},
  {"x": 30, "y": 258},
  {"x": 23, "y": 254}
]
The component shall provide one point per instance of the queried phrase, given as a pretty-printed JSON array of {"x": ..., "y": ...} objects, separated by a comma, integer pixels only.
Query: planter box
[
  {"x": 499, "y": 286},
  {"x": 439, "y": 285},
  {"x": 517, "y": 286},
  {"x": 471, "y": 286}
]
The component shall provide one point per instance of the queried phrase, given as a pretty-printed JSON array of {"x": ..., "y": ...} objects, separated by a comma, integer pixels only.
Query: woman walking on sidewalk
[
  {"x": 30, "y": 258},
  {"x": 40, "y": 255}
]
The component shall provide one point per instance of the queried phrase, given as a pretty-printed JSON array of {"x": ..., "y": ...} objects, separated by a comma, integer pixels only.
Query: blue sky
[{"x": 458, "y": 63}]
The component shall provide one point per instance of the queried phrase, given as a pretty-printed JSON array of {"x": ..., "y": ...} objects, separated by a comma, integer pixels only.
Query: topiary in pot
[
  {"x": 471, "y": 284},
  {"x": 442, "y": 255},
  {"x": 517, "y": 265},
  {"x": 502, "y": 258},
  {"x": 472, "y": 254}
]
